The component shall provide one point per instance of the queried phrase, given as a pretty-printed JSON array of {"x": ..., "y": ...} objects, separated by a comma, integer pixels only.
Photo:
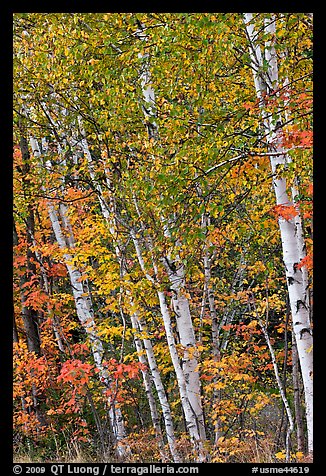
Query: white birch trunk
[
  {"x": 148, "y": 387},
  {"x": 166, "y": 410},
  {"x": 148, "y": 105},
  {"x": 177, "y": 277},
  {"x": 84, "y": 311},
  {"x": 209, "y": 294},
  {"x": 109, "y": 213},
  {"x": 190, "y": 416},
  {"x": 189, "y": 412},
  {"x": 156, "y": 376},
  {"x": 291, "y": 230},
  {"x": 298, "y": 220},
  {"x": 176, "y": 273},
  {"x": 188, "y": 341},
  {"x": 208, "y": 291}
]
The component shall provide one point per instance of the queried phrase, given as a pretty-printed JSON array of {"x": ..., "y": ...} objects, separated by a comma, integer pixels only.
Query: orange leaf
[
  {"x": 285, "y": 211},
  {"x": 306, "y": 261}
]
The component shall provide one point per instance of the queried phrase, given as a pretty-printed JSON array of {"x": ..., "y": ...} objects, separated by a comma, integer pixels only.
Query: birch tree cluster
[{"x": 163, "y": 237}]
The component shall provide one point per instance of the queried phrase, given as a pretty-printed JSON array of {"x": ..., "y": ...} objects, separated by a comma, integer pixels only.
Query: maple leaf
[
  {"x": 306, "y": 261},
  {"x": 285, "y": 211},
  {"x": 248, "y": 105},
  {"x": 75, "y": 372},
  {"x": 58, "y": 270}
]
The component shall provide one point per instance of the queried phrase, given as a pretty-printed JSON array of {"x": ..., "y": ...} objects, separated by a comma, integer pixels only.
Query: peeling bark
[{"x": 290, "y": 230}]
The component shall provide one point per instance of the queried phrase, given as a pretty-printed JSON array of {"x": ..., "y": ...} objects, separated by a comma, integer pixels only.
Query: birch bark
[
  {"x": 84, "y": 308},
  {"x": 290, "y": 230},
  {"x": 187, "y": 339},
  {"x": 174, "y": 267},
  {"x": 109, "y": 212},
  {"x": 210, "y": 297},
  {"x": 189, "y": 412}
]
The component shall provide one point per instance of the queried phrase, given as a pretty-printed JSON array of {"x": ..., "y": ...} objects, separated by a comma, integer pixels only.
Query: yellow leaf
[
  {"x": 299, "y": 454},
  {"x": 280, "y": 455}
]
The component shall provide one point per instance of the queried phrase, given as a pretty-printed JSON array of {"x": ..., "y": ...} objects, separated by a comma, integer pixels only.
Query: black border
[{"x": 6, "y": 210}]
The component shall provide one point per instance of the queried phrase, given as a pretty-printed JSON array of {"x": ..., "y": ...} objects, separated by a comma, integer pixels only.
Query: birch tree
[
  {"x": 174, "y": 267},
  {"x": 266, "y": 78},
  {"x": 109, "y": 212},
  {"x": 165, "y": 140},
  {"x": 64, "y": 236}
]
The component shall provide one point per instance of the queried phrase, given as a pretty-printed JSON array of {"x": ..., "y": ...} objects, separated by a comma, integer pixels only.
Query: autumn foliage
[{"x": 127, "y": 197}]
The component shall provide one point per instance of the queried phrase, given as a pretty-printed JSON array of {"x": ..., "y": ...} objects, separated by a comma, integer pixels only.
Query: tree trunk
[
  {"x": 148, "y": 387},
  {"x": 109, "y": 213},
  {"x": 291, "y": 229},
  {"x": 29, "y": 315},
  {"x": 188, "y": 341},
  {"x": 190, "y": 415},
  {"x": 84, "y": 310},
  {"x": 192, "y": 423},
  {"x": 296, "y": 396},
  {"x": 189, "y": 370},
  {"x": 175, "y": 269},
  {"x": 166, "y": 410},
  {"x": 216, "y": 354}
]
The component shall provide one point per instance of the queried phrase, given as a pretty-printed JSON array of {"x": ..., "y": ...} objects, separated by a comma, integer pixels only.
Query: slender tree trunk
[
  {"x": 191, "y": 420},
  {"x": 84, "y": 309},
  {"x": 175, "y": 268},
  {"x": 190, "y": 414},
  {"x": 166, "y": 410},
  {"x": 148, "y": 387},
  {"x": 109, "y": 213},
  {"x": 187, "y": 339},
  {"x": 296, "y": 396},
  {"x": 281, "y": 388},
  {"x": 177, "y": 279},
  {"x": 216, "y": 354},
  {"x": 291, "y": 229}
]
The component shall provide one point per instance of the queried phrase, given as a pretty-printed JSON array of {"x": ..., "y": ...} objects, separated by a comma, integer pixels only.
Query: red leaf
[
  {"x": 306, "y": 261},
  {"x": 285, "y": 211}
]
